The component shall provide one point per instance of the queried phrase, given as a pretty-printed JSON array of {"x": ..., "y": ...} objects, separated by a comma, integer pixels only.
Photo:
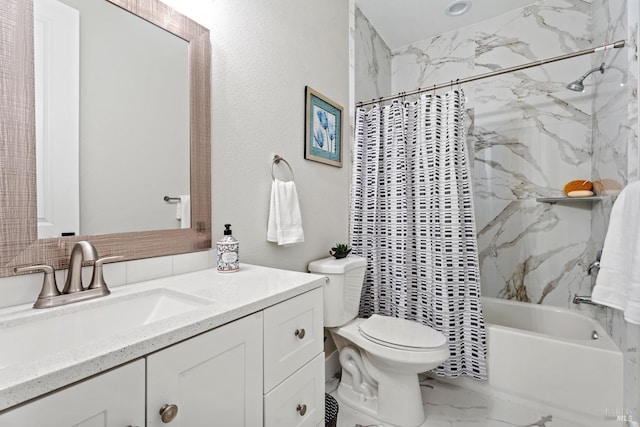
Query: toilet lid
[{"x": 401, "y": 333}]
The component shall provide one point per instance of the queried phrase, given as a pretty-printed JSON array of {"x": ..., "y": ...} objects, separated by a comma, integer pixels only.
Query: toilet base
[
  {"x": 398, "y": 403},
  {"x": 382, "y": 381}
]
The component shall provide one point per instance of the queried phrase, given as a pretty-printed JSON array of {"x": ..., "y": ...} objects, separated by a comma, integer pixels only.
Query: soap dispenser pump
[{"x": 228, "y": 251}]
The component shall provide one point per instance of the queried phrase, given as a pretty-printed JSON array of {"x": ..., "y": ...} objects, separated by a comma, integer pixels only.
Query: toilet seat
[{"x": 401, "y": 334}]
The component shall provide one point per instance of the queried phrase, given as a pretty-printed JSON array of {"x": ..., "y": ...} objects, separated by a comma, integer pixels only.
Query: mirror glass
[
  {"x": 19, "y": 242},
  {"x": 112, "y": 121}
]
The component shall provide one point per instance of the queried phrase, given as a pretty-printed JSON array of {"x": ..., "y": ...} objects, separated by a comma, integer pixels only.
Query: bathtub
[{"x": 549, "y": 355}]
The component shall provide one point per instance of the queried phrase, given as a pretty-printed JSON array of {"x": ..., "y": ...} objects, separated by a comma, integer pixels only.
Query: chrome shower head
[{"x": 577, "y": 85}]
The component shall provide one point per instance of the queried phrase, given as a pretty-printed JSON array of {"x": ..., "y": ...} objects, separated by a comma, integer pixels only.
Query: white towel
[
  {"x": 183, "y": 211},
  {"x": 618, "y": 281},
  {"x": 285, "y": 221}
]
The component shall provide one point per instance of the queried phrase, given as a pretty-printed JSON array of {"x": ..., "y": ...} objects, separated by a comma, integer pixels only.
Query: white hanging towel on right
[{"x": 618, "y": 281}]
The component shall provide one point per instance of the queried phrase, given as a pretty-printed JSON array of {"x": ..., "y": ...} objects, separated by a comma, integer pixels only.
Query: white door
[
  {"x": 214, "y": 379},
  {"x": 113, "y": 399},
  {"x": 57, "y": 84}
]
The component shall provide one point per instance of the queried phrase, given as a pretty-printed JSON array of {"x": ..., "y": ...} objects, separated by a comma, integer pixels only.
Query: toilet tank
[{"x": 342, "y": 291}]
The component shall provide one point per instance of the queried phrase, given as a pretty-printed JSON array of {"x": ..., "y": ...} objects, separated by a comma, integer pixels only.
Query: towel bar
[{"x": 276, "y": 160}]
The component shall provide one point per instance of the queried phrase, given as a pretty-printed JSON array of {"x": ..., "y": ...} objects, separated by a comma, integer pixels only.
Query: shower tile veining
[{"x": 454, "y": 406}]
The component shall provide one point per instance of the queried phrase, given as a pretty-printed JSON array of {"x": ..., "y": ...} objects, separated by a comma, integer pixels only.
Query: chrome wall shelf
[{"x": 565, "y": 199}]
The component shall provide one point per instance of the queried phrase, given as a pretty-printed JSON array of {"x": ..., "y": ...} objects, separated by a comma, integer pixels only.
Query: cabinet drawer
[
  {"x": 299, "y": 400},
  {"x": 292, "y": 336}
]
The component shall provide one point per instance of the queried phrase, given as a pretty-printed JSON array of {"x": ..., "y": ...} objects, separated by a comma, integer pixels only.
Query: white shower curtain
[{"x": 412, "y": 218}]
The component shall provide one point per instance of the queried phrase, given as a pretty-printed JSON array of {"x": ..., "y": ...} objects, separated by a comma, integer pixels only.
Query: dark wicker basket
[{"x": 330, "y": 411}]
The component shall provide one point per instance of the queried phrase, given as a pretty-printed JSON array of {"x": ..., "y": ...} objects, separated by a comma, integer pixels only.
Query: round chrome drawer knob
[
  {"x": 302, "y": 409},
  {"x": 300, "y": 333},
  {"x": 168, "y": 413}
]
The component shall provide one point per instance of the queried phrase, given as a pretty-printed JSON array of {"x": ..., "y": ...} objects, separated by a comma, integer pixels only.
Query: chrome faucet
[
  {"x": 74, "y": 291},
  {"x": 595, "y": 264},
  {"x": 584, "y": 299}
]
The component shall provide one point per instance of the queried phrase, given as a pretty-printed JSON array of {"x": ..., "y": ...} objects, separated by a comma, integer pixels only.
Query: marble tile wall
[
  {"x": 531, "y": 135},
  {"x": 615, "y": 148},
  {"x": 372, "y": 59}
]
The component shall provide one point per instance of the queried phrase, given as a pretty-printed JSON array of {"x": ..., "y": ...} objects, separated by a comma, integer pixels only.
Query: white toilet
[{"x": 381, "y": 356}]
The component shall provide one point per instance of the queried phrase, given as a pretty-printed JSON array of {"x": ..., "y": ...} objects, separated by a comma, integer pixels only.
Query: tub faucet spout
[{"x": 584, "y": 299}]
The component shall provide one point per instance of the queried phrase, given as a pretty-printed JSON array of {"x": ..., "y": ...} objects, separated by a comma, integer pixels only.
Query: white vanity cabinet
[
  {"x": 264, "y": 369},
  {"x": 115, "y": 398},
  {"x": 219, "y": 377},
  {"x": 294, "y": 362},
  {"x": 213, "y": 379}
]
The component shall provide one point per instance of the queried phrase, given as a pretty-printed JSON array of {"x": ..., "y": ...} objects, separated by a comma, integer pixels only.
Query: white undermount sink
[{"x": 45, "y": 332}]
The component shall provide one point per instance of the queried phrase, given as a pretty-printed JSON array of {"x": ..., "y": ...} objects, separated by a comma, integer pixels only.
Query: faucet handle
[
  {"x": 49, "y": 286},
  {"x": 97, "y": 281}
]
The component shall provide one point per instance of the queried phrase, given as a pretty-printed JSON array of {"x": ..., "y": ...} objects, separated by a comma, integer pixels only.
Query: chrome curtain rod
[{"x": 617, "y": 45}]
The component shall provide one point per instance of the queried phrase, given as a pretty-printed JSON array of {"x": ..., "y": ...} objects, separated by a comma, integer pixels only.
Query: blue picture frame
[{"x": 323, "y": 129}]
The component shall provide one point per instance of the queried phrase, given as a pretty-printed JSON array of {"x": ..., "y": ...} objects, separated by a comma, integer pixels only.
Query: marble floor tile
[{"x": 453, "y": 406}]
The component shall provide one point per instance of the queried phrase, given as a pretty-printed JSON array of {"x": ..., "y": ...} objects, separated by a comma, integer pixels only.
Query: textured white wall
[{"x": 264, "y": 53}]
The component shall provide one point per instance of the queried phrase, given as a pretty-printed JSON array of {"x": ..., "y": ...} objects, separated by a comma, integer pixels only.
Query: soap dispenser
[{"x": 228, "y": 251}]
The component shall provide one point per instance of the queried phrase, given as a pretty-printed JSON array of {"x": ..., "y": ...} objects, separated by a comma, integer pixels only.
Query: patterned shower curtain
[{"x": 412, "y": 218}]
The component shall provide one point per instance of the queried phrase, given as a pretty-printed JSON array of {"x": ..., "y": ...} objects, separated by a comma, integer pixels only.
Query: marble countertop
[{"x": 227, "y": 297}]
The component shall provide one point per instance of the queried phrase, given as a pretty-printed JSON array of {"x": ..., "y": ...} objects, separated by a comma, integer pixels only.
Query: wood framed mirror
[{"x": 19, "y": 242}]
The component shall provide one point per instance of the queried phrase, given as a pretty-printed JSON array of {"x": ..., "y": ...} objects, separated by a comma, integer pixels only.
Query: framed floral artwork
[{"x": 323, "y": 129}]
